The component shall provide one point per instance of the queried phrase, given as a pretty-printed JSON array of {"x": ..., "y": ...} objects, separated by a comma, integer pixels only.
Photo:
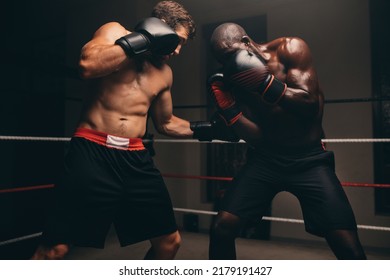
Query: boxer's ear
[{"x": 245, "y": 40}]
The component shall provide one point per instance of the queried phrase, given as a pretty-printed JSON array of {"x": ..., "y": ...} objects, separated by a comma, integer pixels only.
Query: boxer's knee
[
  {"x": 225, "y": 226},
  {"x": 173, "y": 242},
  {"x": 166, "y": 247}
]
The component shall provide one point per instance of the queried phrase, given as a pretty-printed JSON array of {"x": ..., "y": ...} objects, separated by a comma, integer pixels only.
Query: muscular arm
[
  {"x": 161, "y": 112},
  {"x": 100, "y": 56},
  {"x": 247, "y": 130},
  {"x": 247, "y": 127},
  {"x": 303, "y": 96}
]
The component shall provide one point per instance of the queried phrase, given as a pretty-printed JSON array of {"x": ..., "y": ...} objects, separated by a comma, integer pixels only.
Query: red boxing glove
[
  {"x": 249, "y": 71},
  {"x": 224, "y": 100}
]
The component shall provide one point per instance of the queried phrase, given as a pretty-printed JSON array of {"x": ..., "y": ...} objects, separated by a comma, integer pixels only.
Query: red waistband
[{"x": 111, "y": 141}]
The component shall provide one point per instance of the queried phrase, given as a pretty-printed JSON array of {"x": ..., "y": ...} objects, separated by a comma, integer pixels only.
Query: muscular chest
[
  {"x": 129, "y": 91},
  {"x": 148, "y": 82}
]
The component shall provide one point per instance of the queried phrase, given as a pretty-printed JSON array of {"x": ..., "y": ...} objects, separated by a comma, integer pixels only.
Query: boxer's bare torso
[
  {"x": 118, "y": 104},
  {"x": 121, "y": 91},
  {"x": 296, "y": 120}
]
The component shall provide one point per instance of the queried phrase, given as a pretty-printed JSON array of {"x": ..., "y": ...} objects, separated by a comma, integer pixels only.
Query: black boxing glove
[
  {"x": 250, "y": 72},
  {"x": 223, "y": 99},
  {"x": 213, "y": 129},
  {"x": 150, "y": 34}
]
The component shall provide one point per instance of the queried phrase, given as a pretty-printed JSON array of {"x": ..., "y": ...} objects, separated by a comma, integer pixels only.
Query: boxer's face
[
  {"x": 182, "y": 32},
  {"x": 226, "y": 48}
]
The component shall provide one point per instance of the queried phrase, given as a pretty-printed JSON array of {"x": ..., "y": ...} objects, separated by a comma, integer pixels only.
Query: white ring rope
[
  {"x": 357, "y": 140},
  {"x": 276, "y": 219},
  {"x": 33, "y": 138},
  {"x": 22, "y": 238},
  {"x": 64, "y": 139},
  {"x": 203, "y": 212}
]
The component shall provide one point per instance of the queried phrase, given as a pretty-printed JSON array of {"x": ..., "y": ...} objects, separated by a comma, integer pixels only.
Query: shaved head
[{"x": 226, "y": 38}]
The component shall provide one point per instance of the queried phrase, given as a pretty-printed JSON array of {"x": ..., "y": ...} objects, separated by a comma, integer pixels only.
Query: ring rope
[
  {"x": 215, "y": 178},
  {"x": 212, "y": 178},
  {"x": 341, "y": 100},
  {"x": 277, "y": 219},
  {"x": 34, "y": 138},
  {"x": 194, "y": 211},
  {"x": 23, "y": 189},
  {"x": 64, "y": 139},
  {"x": 354, "y": 100},
  {"x": 346, "y": 140},
  {"x": 18, "y": 239},
  {"x": 356, "y": 140}
]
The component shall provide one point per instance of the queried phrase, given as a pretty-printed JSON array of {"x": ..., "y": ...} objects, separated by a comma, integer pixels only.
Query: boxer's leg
[
  {"x": 164, "y": 247},
  {"x": 345, "y": 244},
  {"x": 223, "y": 233}
]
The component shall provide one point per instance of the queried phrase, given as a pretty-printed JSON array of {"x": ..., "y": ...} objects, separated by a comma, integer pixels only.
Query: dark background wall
[
  {"x": 381, "y": 90},
  {"x": 33, "y": 84},
  {"x": 42, "y": 95}
]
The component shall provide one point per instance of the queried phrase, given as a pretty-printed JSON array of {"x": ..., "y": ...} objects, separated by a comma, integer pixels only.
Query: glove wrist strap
[
  {"x": 230, "y": 115},
  {"x": 273, "y": 91},
  {"x": 133, "y": 44}
]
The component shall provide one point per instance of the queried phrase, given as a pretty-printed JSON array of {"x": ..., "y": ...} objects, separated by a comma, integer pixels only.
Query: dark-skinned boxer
[{"x": 269, "y": 95}]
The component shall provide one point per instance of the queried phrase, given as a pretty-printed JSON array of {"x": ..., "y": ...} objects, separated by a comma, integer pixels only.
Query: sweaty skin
[
  {"x": 122, "y": 90},
  {"x": 296, "y": 119}
]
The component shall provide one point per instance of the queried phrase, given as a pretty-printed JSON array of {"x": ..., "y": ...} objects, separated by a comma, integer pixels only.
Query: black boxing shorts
[
  {"x": 307, "y": 172},
  {"x": 108, "y": 180}
]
